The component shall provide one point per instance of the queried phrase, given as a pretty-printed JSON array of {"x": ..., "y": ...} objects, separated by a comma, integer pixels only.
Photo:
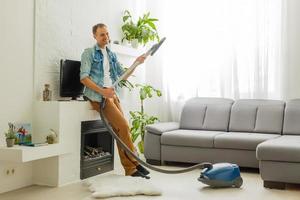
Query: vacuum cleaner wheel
[{"x": 238, "y": 182}]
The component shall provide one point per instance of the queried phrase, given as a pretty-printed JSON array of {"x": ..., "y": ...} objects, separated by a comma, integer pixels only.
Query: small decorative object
[
  {"x": 23, "y": 133},
  {"x": 144, "y": 30},
  {"x": 47, "y": 93},
  {"x": 10, "y": 135},
  {"x": 52, "y": 137}
]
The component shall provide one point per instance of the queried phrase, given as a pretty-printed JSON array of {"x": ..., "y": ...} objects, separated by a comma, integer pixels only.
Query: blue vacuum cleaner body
[{"x": 221, "y": 175}]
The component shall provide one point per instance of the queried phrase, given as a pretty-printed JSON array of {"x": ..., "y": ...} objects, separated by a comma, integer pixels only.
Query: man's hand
[
  {"x": 108, "y": 92},
  {"x": 141, "y": 59}
]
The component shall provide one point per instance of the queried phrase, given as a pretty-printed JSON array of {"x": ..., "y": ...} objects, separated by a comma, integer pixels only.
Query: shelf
[
  {"x": 24, "y": 153},
  {"x": 126, "y": 50}
]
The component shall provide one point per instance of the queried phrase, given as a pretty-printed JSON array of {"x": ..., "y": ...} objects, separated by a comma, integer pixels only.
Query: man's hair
[{"x": 100, "y": 25}]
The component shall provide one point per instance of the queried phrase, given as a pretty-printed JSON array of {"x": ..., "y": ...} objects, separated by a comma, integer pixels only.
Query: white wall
[{"x": 16, "y": 82}]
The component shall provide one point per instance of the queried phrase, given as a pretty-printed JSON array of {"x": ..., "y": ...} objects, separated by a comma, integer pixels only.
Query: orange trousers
[{"x": 114, "y": 115}]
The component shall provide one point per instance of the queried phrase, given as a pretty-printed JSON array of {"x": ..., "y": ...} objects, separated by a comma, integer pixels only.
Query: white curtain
[{"x": 220, "y": 48}]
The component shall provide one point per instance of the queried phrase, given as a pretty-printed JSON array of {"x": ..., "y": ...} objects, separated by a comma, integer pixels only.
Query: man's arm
[{"x": 139, "y": 59}]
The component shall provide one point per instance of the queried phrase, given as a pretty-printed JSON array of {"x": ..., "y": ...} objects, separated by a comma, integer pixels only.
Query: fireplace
[{"x": 97, "y": 149}]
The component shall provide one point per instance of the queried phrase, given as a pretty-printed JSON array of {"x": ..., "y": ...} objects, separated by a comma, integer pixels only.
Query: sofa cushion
[
  {"x": 269, "y": 118},
  {"x": 192, "y": 115},
  {"x": 261, "y": 116},
  {"x": 206, "y": 114},
  {"x": 284, "y": 149},
  {"x": 161, "y": 127},
  {"x": 241, "y": 140},
  {"x": 291, "y": 125},
  {"x": 242, "y": 118},
  {"x": 189, "y": 138},
  {"x": 217, "y": 117}
]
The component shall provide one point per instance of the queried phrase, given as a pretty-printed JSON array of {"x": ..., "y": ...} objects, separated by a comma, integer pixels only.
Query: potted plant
[
  {"x": 139, "y": 119},
  {"x": 10, "y": 135},
  {"x": 140, "y": 32}
]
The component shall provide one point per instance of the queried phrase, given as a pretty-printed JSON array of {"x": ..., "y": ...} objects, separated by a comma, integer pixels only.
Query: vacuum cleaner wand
[{"x": 150, "y": 52}]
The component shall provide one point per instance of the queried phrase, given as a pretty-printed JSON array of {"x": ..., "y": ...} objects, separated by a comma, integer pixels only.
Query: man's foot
[
  {"x": 139, "y": 174},
  {"x": 143, "y": 170}
]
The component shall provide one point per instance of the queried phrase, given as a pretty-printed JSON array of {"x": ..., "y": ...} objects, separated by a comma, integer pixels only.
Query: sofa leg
[
  {"x": 153, "y": 162},
  {"x": 274, "y": 185}
]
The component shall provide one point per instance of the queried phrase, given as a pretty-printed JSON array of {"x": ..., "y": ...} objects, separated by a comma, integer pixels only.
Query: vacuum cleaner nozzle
[{"x": 156, "y": 46}]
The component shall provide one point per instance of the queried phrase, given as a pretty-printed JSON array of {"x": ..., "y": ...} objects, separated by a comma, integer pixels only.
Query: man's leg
[
  {"x": 139, "y": 167},
  {"x": 117, "y": 103},
  {"x": 119, "y": 124}
]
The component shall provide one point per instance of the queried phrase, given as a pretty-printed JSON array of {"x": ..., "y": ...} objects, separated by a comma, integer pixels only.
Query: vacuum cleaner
[
  {"x": 214, "y": 175},
  {"x": 222, "y": 175}
]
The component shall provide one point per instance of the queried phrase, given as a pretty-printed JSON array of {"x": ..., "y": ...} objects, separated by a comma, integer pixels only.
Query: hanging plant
[{"x": 144, "y": 30}]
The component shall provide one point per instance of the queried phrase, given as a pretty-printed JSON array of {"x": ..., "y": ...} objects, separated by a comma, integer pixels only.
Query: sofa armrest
[{"x": 161, "y": 127}]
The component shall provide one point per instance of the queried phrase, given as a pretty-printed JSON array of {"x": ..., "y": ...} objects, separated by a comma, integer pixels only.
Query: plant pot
[
  {"x": 126, "y": 43},
  {"x": 50, "y": 139},
  {"x": 135, "y": 43},
  {"x": 10, "y": 142}
]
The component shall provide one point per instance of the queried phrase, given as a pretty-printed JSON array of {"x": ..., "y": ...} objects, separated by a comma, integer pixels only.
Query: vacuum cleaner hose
[{"x": 129, "y": 152}]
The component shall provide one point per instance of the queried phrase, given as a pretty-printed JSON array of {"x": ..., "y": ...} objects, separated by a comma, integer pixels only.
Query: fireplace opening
[{"x": 97, "y": 149}]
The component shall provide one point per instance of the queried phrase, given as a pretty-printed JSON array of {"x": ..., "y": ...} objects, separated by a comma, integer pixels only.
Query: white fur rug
[{"x": 112, "y": 185}]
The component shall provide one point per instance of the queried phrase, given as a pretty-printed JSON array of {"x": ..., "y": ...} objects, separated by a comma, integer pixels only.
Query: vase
[
  {"x": 10, "y": 142},
  {"x": 47, "y": 93},
  {"x": 135, "y": 43},
  {"x": 126, "y": 43}
]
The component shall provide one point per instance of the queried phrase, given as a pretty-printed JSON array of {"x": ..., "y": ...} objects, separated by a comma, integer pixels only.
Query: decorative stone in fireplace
[{"x": 97, "y": 149}]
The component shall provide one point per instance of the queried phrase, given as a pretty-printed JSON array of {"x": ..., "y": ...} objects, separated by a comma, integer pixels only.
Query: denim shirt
[{"x": 92, "y": 67}]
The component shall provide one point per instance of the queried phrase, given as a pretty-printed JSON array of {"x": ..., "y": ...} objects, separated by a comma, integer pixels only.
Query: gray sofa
[{"x": 261, "y": 134}]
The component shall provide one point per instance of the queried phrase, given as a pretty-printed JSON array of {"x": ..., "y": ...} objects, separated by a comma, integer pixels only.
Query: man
[{"x": 99, "y": 70}]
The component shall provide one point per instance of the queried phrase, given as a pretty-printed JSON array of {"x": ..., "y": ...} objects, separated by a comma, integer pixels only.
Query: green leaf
[
  {"x": 125, "y": 18},
  {"x": 153, "y": 19},
  {"x": 132, "y": 114},
  {"x": 158, "y": 93},
  {"x": 136, "y": 124},
  {"x": 152, "y": 25},
  {"x": 143, "y": 94},
  {"x": 134, "y": 136},
  {"x": 147, "y": 15}
]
